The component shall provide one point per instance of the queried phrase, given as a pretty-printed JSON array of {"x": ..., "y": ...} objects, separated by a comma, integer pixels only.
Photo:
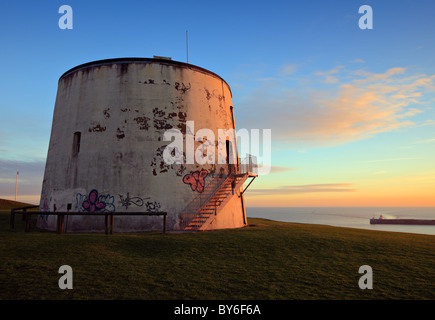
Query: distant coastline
[{"x": 349, "y": 217}]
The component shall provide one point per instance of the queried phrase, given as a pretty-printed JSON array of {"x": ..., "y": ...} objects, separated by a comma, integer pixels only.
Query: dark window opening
[{"x": 76, "y": 143}]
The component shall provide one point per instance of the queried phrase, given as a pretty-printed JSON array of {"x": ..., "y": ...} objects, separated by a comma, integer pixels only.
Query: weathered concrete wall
[
  {"x": 121, "y": 110},
  {"x": 230, "y": 215}
]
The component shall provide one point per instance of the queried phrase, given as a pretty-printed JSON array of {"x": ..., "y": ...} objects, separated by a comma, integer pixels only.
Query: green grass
[
  {"x": 266, "y": 260},
  {"x": 7, "y": 205}
]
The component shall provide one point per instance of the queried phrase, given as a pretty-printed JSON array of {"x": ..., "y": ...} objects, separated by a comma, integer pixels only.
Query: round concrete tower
[{"x": 113, "y": 122}]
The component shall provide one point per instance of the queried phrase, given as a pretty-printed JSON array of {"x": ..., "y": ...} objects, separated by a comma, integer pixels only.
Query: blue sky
[{"x": 350, "y": 110}]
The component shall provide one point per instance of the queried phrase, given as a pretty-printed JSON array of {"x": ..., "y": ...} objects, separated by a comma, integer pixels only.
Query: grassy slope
[
  {"x": 6, "y": 205},
  {"x": 267, "y": 260}
]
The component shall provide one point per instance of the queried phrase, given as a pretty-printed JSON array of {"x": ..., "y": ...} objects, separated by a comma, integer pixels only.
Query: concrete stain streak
[
  {"x": 97, "y": 128},
  {"x": 106, "y": 113},
  {"x": 181, "y": 87},
  {"x": 142, "y": 122},
  {"x": 120, "y": 134}
]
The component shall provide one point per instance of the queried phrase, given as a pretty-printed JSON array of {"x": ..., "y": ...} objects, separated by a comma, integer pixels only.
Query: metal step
[{"x": 216, "y": 198}]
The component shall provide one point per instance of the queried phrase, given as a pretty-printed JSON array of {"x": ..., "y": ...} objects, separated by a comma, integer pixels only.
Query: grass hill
[
  {"x": 266, "y": 260},
  {"x": 7, "y": 205}
]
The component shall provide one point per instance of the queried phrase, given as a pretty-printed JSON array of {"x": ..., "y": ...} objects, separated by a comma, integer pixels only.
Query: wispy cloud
[
  {"x": 309, "y": 188},
  {"x": 278, "y": 169},
  {"x": 266, "y": 79},
  {"x": 425, "y": 141},
  {"x": 388, "y": 160},
  {"x": 288, "y": 69},
  {"x": 358, "y": 61},
  {"x": 328, "y": 75},
  {"x": 379, "y": 172},
  {"x": 361, "y": 105},
  {"x": 428, "y": 122}
]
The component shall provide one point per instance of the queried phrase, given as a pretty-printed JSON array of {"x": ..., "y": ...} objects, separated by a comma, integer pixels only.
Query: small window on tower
[{"x": 76, "y": 143}]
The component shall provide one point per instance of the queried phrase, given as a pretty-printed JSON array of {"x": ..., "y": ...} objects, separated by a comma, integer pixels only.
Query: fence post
[
  {"x": 58, "y": 219},
  {"x": 68, "y": 208},
  {"x": 111, "y": 223},
  {"x": 164, "y": 223},
  {"x": 62, "y": 223},
  {"x": 106, "y": 223},
  {"x": 58, "y": 224}
]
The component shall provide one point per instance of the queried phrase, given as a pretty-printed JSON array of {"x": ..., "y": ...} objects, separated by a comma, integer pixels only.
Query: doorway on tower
[{"x": 230, "y": 159}]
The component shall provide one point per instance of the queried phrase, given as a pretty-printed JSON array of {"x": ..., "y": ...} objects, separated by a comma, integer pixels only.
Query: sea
[{"x": 349, "y": 217}]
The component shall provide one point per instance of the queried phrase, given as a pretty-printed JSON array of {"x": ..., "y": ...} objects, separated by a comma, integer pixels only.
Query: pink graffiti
[
  {"x": 196, "y": 180},
  {"x": 45, "y": 207},
  {"x": 92, "y": 204}
]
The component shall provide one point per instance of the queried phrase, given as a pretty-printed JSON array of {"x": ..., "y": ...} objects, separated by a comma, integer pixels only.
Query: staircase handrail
[{"x": 187, "y": 211}]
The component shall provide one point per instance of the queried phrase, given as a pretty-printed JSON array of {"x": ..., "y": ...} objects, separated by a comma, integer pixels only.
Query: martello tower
[{"x": 106, "y": 151}]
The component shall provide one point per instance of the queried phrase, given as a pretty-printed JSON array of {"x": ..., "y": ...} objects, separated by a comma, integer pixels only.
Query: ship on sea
[{"x": 382, "y": 220}]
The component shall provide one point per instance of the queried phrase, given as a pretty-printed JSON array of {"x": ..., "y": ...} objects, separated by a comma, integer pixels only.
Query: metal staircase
[
  {"x": 219, "y": 198},
  {"x": 217, "y": 193}
]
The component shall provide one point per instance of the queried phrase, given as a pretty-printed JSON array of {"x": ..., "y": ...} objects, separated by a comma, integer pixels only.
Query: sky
[{"x": 351, "y": 111}]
